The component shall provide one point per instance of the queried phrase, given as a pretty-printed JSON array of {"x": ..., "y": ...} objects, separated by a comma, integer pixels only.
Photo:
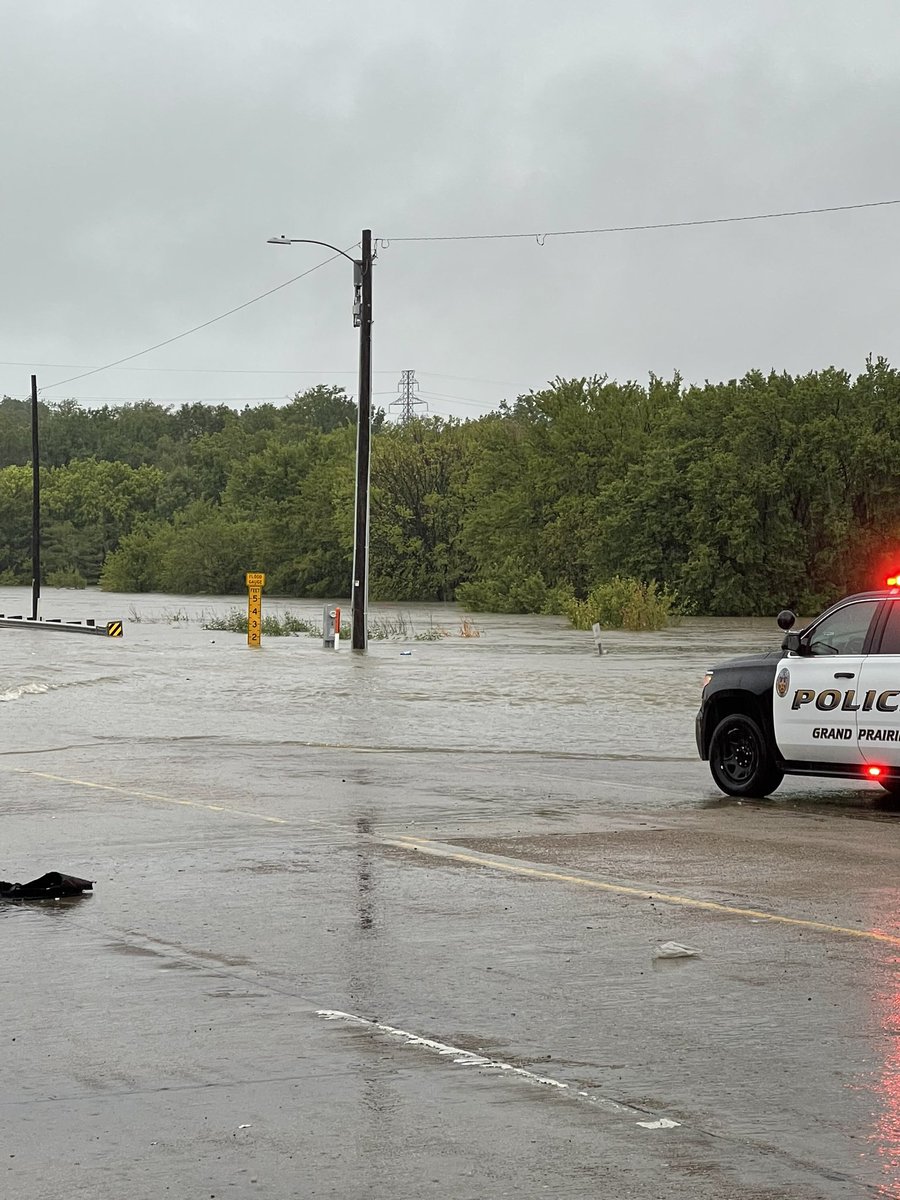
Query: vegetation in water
[
  {"x": 65, "y": 577},
  {"x": 287, "y": 624},
  {"x": 623, "y": 604},
  {"x": 272, "y": 625}
]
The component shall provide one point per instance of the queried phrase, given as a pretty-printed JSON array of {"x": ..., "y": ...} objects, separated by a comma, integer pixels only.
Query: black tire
[
  {"x": 891, "y": 786},
  {"x": 740, "y": 761}
]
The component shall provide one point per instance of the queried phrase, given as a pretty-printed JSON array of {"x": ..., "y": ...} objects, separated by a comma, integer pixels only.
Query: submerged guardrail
[{"x": 113, "y": 629}]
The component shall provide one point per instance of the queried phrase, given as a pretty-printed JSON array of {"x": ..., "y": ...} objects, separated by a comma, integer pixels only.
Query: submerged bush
[
  {"x": 624, "y": 604},
  {"x": 509, "y": 588},
  {"x": 65, "y": 579},
  {"x": 273, "y": 624}
]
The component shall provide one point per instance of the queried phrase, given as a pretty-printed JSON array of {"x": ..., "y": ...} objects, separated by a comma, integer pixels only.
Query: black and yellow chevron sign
[{"x": 114, "y": 629}]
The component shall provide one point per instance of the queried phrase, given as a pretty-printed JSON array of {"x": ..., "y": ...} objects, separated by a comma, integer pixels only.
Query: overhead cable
[
  {"x": 539, "y": 237},
  {"x": 196, "y": 328},
  {"x": 202, "y": 370}
]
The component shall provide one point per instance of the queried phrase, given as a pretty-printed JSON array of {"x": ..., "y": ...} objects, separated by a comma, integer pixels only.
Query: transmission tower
[{"x": 408, "y": 401}]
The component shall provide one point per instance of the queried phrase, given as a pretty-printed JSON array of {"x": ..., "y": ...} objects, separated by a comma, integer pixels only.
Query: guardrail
[{"x": 113, "y": 629}]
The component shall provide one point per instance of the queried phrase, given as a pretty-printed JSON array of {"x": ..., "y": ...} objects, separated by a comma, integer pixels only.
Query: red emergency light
[
  {"x": 892, "y": 581},
  {"x": 873, "y": 772}
]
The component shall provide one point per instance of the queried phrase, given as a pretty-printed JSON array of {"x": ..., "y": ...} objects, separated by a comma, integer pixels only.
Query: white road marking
[{"x": 467, "y": 1058}]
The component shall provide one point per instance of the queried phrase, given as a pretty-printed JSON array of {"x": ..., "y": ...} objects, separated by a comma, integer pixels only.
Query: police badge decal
[{"x": 783, "y": 682}]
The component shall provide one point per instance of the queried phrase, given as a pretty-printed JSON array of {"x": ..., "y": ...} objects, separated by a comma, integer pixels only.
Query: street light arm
[{"x": 286, "y": 241}]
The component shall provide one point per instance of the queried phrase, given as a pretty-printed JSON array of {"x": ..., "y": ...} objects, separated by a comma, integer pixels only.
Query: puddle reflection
[
  {"x": 45, "y": 908},
  {"x": 865, "y": 805},
  {"x": 365, "y": 883},
  {"x": 884, "y": 1139}
]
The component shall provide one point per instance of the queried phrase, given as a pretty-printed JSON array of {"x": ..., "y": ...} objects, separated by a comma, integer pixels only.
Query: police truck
[{"x": 827, "y": 703}]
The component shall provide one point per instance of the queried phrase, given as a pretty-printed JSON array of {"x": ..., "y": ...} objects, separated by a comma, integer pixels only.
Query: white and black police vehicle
[{"x": 827, "y": 703}]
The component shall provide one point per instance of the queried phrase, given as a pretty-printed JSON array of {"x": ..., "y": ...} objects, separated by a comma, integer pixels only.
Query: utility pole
[
  {"x": 362, "y": 311},
  {"x": 35, "y": 504},
  {"x": 408, "y": 402}
]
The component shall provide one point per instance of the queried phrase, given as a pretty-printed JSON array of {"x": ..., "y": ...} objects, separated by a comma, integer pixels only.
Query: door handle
[{"x": 844, "y": 674}]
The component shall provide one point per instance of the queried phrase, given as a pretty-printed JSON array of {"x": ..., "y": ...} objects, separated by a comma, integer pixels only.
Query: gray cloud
[{"x": 151, "y": 150}]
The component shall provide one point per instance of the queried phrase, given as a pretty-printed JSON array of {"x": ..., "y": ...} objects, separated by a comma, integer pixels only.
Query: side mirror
[
  {"x": 785, "y": 619},
  {"x": 791, "y": 643}
]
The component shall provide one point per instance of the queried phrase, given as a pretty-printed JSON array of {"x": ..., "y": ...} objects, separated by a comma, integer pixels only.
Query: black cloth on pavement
[{"x": 49, "y": 887}]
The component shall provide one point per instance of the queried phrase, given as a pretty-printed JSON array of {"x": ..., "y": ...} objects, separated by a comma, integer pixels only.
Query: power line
[
  {"x": 540, "y": 237},
  {"x": 459, "y": 400},
  {"x": 385, "y": 242},
  {"x": 196, "y": 328},
  {"x": 249, "y": 371},
  {"x": 205, "y": 370},
  {"x": 468, "y": 378},
  {"x": 175, "y": 400}
]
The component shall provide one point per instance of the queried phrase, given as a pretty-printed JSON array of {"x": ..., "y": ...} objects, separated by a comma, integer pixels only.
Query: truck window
[{"x": 844, "y": 631}]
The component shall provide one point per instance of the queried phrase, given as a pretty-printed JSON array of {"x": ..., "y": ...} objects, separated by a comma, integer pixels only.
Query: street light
[{"x": 362, "y": 319}]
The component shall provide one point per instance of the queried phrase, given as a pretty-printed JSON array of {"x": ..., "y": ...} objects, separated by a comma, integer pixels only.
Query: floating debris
[{"x": 675, "y": 950}]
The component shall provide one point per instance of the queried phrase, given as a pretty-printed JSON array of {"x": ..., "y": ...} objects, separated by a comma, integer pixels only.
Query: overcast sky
[{"x": 149, "y": 150}]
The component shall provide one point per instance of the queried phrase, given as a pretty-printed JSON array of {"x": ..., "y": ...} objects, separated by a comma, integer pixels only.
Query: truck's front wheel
[{"x": 739, "y": 759}]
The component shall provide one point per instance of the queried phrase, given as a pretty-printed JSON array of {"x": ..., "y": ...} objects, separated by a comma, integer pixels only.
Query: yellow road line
[
  {"x": 515, "y": 867},
  {"x": 135, "y": 794},
  {"x": 498, "y": 863}
]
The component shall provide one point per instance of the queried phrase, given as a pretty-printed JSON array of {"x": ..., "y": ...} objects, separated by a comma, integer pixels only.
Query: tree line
[{"x": 740, "y": 497}]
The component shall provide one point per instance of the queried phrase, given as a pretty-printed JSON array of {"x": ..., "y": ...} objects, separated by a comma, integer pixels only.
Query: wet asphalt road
[{"x": 353, "y": 936}]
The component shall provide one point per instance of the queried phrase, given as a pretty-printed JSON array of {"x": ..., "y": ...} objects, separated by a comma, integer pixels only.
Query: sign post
[
  {"x": 256, "y": 581},
  {"x": 597, "y": 632}
]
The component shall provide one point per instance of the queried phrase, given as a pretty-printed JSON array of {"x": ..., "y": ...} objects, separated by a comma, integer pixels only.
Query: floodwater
[
  {"x": 523, "y": 684},
  {"x": 387, "y": 925}
]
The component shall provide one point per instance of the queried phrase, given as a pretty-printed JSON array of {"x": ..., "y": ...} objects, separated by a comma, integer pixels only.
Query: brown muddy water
[{"x": 524, "y": 684}]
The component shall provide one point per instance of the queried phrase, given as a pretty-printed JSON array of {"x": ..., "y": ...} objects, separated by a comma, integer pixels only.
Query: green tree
[
  {"x": 418, "y": 476},
  {"x": 15, "y": 431},
  {"x": 15, "y": 523}
]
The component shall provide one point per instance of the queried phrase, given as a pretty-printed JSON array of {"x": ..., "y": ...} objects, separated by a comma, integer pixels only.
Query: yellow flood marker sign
[{"x": 256, "y": 581}]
